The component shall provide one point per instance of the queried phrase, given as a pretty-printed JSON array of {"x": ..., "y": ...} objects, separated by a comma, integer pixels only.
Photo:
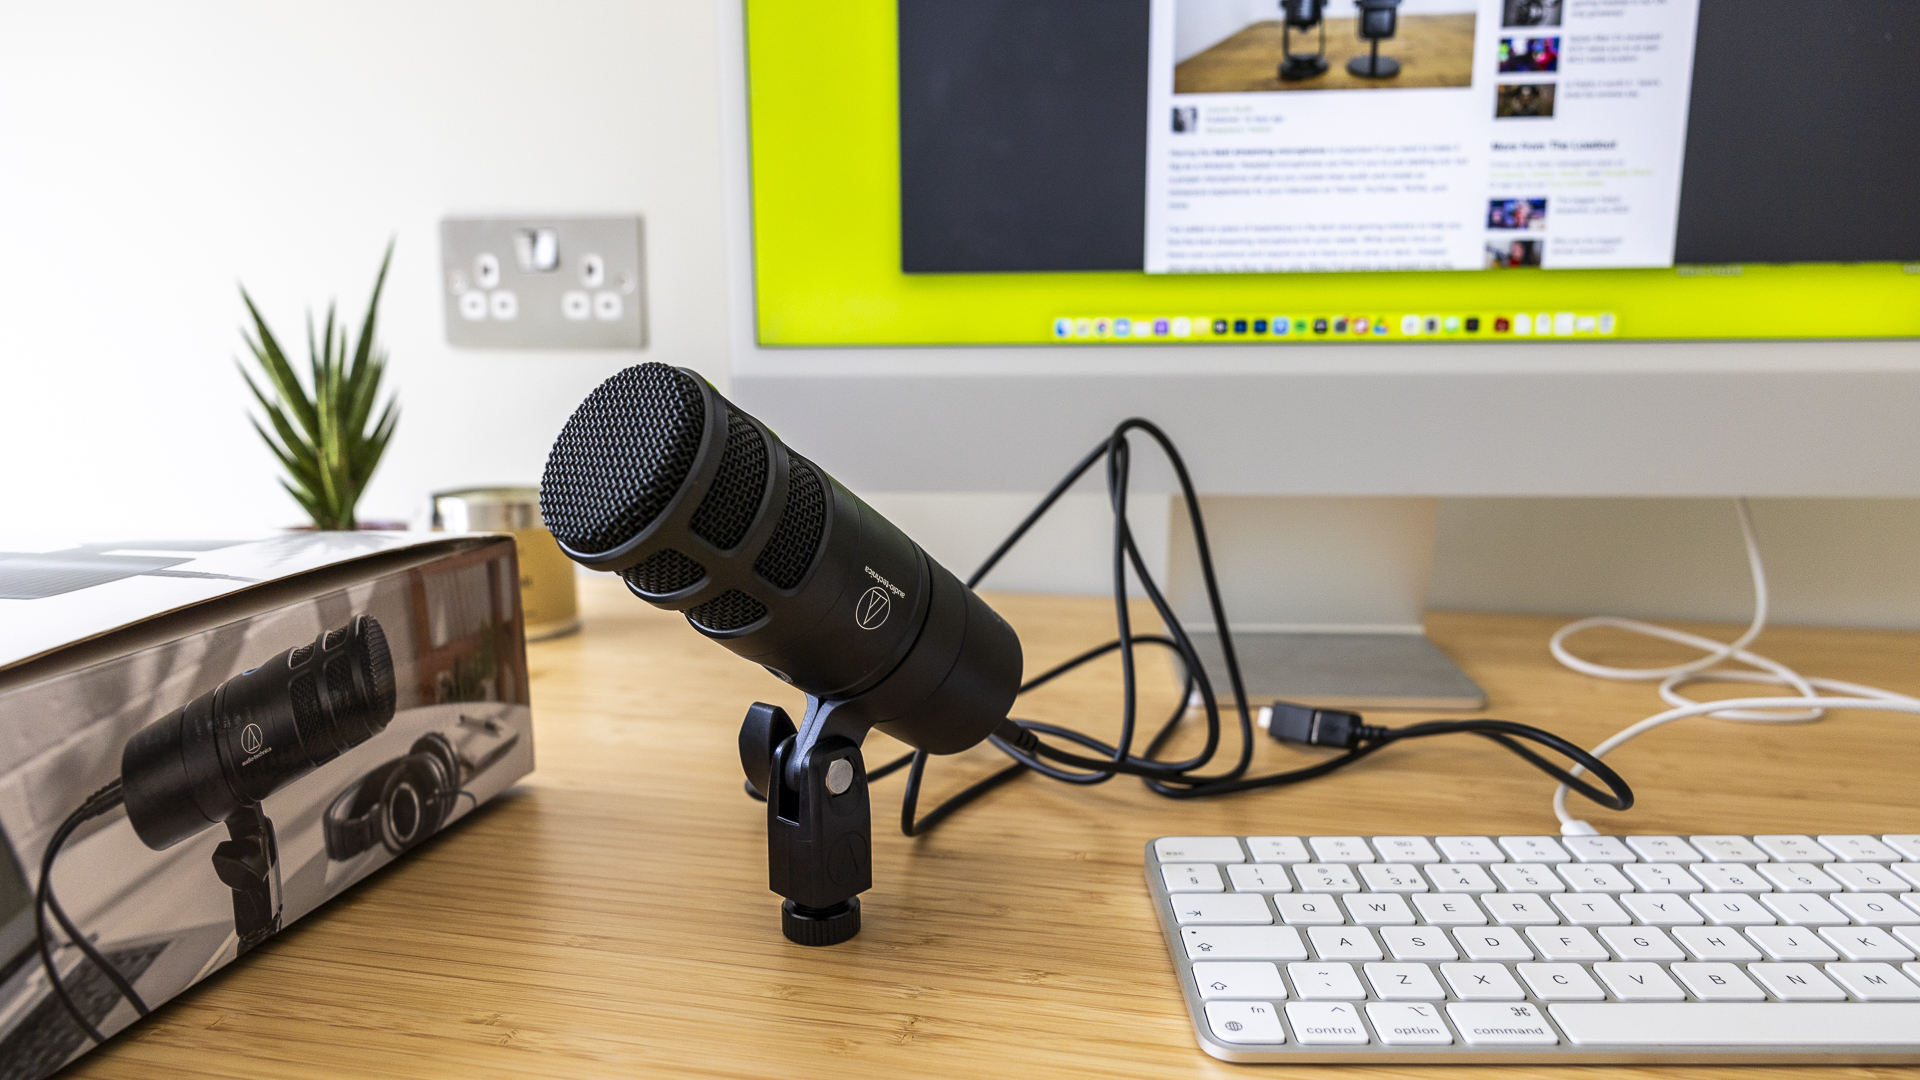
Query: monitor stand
[{"x": 1325, "y": 597}]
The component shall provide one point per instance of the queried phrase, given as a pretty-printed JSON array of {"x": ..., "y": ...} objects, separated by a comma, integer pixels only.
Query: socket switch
[{"x": 543, "y": 283}]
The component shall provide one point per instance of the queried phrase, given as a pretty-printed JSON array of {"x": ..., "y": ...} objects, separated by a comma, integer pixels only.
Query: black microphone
[
  {"x": 704, "y": 511},
  {"x": 234, "y": 745}
]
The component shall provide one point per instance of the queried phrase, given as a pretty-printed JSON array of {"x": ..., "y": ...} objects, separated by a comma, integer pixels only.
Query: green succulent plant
[{"x": 324, "y": 430}]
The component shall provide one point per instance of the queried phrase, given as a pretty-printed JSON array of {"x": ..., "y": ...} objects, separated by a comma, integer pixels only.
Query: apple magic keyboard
[{"x": 1442, "y": 949}]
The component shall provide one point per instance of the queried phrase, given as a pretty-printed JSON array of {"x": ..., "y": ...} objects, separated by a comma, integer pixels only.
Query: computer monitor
[{"x": 1565, "y": 247}]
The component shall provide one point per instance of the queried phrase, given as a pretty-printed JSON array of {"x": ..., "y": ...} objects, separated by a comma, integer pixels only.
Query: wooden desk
[
  {"x": 1433, "y": 50},
  {"x": 612, "y": 919}
]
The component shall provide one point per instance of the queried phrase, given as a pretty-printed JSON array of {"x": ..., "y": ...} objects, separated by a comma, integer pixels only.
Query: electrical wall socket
[{"x": 543, "y": 283}]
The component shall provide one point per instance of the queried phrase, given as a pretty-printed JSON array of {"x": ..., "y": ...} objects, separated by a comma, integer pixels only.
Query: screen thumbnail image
[
  {"x": 1256, "y": 46},
  {"x": 1530, "y": 12},
  {"x": 1527, "y": 56},
  {"x": 1517, "y": 214},
  {"x": 1514, "y": 101},
  {"x": 1504, "y": 254}
]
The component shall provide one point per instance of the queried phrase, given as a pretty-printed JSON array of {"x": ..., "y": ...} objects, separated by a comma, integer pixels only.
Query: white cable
[{"x": 1807, "y": 705}]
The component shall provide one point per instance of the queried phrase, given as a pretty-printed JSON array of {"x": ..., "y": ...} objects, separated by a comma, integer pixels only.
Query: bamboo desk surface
[{"x": 610, "y": 917}]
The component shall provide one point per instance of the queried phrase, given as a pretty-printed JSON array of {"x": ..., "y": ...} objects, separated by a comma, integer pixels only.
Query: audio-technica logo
[
  {"x": 872, "y": 608},
  {"x": 252, "y": 739}
]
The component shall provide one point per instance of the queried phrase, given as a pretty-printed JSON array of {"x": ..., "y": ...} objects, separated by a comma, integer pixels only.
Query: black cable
[
  {"x": 1020, "y": 739},
  {"x": 96, "y": 804}
]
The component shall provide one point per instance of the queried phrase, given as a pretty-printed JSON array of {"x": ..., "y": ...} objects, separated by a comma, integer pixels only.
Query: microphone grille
[
  {"x": 728, "y": 507},
  {"x": 622, "y": 456},
  {"x": 796, "y": 537}
]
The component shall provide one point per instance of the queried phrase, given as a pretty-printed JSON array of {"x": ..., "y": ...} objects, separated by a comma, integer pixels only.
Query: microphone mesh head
[{"x": 622, "y": 456}]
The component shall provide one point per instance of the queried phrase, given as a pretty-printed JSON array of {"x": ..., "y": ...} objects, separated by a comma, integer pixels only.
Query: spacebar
[{"x": 1727, "y": 1023}]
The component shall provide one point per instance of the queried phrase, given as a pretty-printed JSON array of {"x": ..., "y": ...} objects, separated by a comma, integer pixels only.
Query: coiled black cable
[{"x": 1021, "y": 739}]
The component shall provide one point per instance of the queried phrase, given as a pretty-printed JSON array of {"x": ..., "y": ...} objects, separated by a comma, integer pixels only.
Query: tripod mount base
[
  {"x": 1373, "y": 67},
  {"x": 1302, "y": 67},
  {"x": 820, "y": 926}
]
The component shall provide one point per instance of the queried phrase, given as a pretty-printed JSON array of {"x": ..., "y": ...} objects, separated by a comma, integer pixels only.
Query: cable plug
[{"x": 1287, "y": 722}]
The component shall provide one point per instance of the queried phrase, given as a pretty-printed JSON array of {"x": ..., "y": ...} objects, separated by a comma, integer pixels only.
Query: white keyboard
[{"x": 1441, "y": 949}]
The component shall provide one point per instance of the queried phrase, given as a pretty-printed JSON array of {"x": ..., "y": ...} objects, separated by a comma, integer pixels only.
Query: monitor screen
[{"x": 929, "y": 172}]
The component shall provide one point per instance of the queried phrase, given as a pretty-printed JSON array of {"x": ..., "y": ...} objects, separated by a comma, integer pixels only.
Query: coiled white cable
[{"x": 1807, "y": 704}]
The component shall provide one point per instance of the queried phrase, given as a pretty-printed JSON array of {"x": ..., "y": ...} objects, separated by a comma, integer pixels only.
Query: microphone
[
  {"x": 704, "y": 511},
  {"x": 234, "y": 745}
]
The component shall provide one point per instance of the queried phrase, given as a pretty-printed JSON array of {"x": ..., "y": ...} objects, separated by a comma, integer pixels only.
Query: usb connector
[{"x": 1287, "y": 722}]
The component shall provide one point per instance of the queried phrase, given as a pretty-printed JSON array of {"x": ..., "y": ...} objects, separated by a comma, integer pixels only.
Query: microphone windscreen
[{"x": 622, "y": 457}]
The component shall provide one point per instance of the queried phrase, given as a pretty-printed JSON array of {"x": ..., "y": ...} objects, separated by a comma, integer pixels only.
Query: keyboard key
[
  {"x": 1728, "y": 849},
  {"x": 1534, "y": 849},
  {"x": 1796, "y": 982},
  {"x": 1865, "y": 943},
  {"x": 1867, "y": 877},
  {"x": 1404, "y": 982},
  {"x": 1591, "y": 910},
  {"x": 1340, "y": 849},
  {"x": 1297, "y": 910},
  {"x": 1662, "y": 877},
  {"x": 1798, "y": 877},
  {"x": 1908, "y": 870},
  {"x": 1570, "y": 943},
  {"x": 1393, "y": 878},
  {"x": 1804, "y": 910},
  {"x": 1641, "y": 943},
  {"x": 1280, "y": 849},
  {"x": 1197, "y": 849},
  {"x": 1561, "y": 982},
  {"x": 1875, "y": 909},
  {"x": 1344, "y": 943},
  {"x": 1317, "y": 1023},
  {"x": 1791, "y": 943},
  {"x": 1325, "y": 982},
  {"x": 1874, "y": 982},
  {"x": 1493, "y": 943},
  {"x": 1378, "y": 909},
  {"x": 1731, "y": 909},
  {"x": 1253, "y": 877},
  {"x": 1244, "y": 979},
  {"x": 1733, "y": 1024},
  {"x": 1598, "y": 849},
  {"x": 1907, "y": 844},
  {"x": 1440, "y": 910},
  {"x": 1663, "y": 849},
  {"x": 1655, "y": 909},
  {"x": 1243, "y": 943},
  {"x": 1220, "y": 908},
  {"x": 1501, "y": 1025},
  {"x": 1482, "y": 982},
  {"x": 1326, "y": 878},
  {"x": 1418, "y": 943},
  {"x": 1859, "y": 848},
  {"x": 1800, "y": 849},
  {"x": 1245, "y": 1022},
  {"x": 1595, "y": 878},
  {"x": 1459, "y": 877},
  {"x": 1471, "y": 849},
  {"x": 1400, "y": 1024},
  {"x": 1716, "y": 943},
  {"x": 1527, "y": 877},
  {"x": 1908, "y": 936},
  {"x": 1639, "y": 982},
  {"x": 1718, "y": 982},
  {"x": 1192, "y": 877},
  {"x": 1405, "y": 849},
  {"x": 1519, "y": 909},
  {"x": 1731, "y": 877}
]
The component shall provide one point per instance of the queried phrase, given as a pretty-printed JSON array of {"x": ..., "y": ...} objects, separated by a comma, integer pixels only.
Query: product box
[{"x": 204, "y": 741}]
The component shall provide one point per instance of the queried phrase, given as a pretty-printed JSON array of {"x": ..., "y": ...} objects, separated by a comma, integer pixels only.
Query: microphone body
[
  {"x": 234, "y": 745},
  {"x": 704, "y": 511}
]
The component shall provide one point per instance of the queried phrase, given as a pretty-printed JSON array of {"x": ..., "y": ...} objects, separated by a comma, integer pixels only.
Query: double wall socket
[{"x": 543, "y": 283}]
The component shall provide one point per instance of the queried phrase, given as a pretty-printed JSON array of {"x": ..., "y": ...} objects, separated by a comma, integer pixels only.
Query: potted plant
[{"x": 325, "y": 431}]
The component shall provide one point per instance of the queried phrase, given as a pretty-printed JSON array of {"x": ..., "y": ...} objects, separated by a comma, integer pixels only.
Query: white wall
[{"x": 152, "y": 156}]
